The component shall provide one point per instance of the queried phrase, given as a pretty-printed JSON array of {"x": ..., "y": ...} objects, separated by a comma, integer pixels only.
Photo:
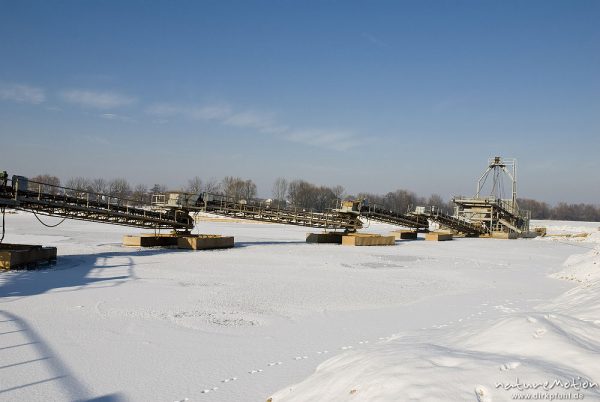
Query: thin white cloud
[
  {"x": 164, "y": 110},
  {"x": 261, "y": 122},
  {"x": 332, "y": 139},
  {"x": 96, "y": 99},
  {"x": 212, "y": 112},
  {"x": 264, "y": 123},
  {"x": 114, "y": 116},
  {"x": 21, "y": 93}
]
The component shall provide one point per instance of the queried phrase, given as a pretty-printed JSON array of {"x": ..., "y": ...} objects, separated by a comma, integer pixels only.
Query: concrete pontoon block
[
  {"x": 404, "y": 234},
  {"x": 19, "y": 256},
  {"x": 205, "y": 242},
  {"x": 505, "y": 235},
  {"x": 328, "y": 237},
  {"x": 438, "y": 236},
  {"x": 150, "y": 240},
  {"x": 357, "y": 239}
]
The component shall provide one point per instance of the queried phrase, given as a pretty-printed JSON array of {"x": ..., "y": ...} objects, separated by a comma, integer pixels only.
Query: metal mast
[{"x": 497, "y": 168}]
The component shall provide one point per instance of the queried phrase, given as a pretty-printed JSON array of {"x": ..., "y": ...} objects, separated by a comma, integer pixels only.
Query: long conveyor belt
[
  {"x": 20, "y": 193},
  {"x": 330, "y": 220},
  {"x": 452, "y": 222},
  {"x": 381, "y": 214}
]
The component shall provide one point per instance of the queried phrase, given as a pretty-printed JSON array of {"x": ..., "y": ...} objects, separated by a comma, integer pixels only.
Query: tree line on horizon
[
  {"x": 300, "y": 194},
  {"x": 562, "y": 211}
]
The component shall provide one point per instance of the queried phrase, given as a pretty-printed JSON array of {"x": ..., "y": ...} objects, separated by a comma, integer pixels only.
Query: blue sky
[{"x": 374, "y": 96}]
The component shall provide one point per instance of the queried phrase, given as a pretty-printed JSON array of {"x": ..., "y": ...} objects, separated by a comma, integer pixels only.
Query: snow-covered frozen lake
[{"x": 245, "y": 324}]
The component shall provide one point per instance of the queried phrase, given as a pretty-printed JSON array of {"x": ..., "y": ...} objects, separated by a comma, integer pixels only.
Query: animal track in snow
[
  {"x": 509, "y": 366},
  {"x": 505, "y": 309},
  {"x": 229, "y": 379},
  {"x": 255, "y": 371},
  {"x": 483, "y": 395},
  {"x": 274, "y": 364},
  {"x": 300, "y": 357}
]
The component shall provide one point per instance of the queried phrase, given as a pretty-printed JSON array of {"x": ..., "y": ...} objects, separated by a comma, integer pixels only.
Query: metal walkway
[
  {"x": 459, "y": 225},
  {"x": 329, "y": 220},
  {"x": 346, "y": 218},
  {"x": 23, "y": 194},
  {"x": 378, "y": 213}
]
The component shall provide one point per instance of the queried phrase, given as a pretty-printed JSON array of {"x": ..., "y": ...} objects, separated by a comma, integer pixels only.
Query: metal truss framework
[
  {"x": 457, "y": 224},
  {"x": 43, "y": 199},
  {"x": 381, "y": 214},
  {"x": 473, "y": 216},
  {"x": 329, "y": 220}
]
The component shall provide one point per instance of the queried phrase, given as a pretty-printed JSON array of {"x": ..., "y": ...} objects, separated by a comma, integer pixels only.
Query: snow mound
[
  {"x": 583, "y": 268},
  {"x": 475, "y": 365},
  {"x": 482, "y": 361}
]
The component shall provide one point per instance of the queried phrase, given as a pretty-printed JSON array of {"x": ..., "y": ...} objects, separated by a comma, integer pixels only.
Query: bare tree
[
  {"x": 158, "y": 189},
  {"x": 436, "y": 200},
  {"x": 325, "y": 198},
  {"x": 45, "y": 183},
  {"x": 338, "y": 191},
  {"x": 194, "y": 185},
  {"x": 98, "y": 186},
  {"x": 140, "y": 194},
  {"x": 249, "y": 190},
  {"x": 539, "y": 210},
  {"x": 238, "y": 188},
  {"x": 402, "y": 200},
  {"x": 309, "y": 196},
  {"x": 233, "y": 187},
  {"x": 77, "y": 186},
  {"x": 280, "y": 189},
  {"x": 302, "y": 194},
  {"x": 212, "y": 186},
  {"x": 119, "y": 188},
  {"x": 399, "y": 200}
]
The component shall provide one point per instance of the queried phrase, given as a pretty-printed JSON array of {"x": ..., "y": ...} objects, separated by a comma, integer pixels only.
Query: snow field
[
  {"x": 236, "y": 325},
  {"x": 557, "y": 340}
]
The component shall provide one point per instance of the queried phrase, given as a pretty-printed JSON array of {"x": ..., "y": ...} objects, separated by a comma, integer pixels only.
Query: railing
[
  {"x": 382, "y": 214},
  {"x": 452, "y": 222},
  {"x": 262, "y": 211},
  {"x": 82, "y": 204}
]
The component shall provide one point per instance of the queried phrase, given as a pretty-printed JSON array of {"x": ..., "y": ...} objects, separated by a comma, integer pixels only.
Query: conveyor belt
[
  {"x": 83, "y": 205},
  {"x": 452, "y": 222},
  {"x": 381, "y": 214},
  {"x": 330, "y": 220}
]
